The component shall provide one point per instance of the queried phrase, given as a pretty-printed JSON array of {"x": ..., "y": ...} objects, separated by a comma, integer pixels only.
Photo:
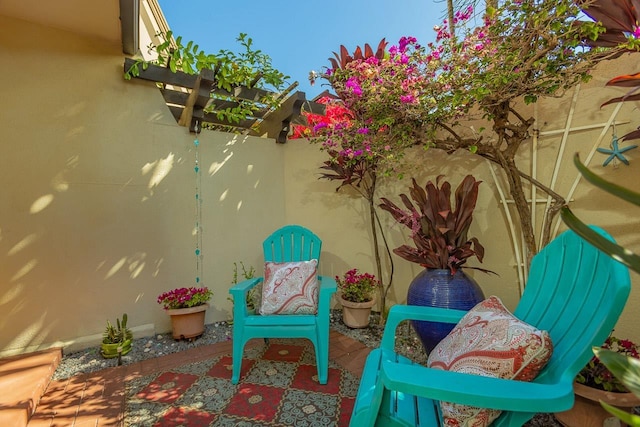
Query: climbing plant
[{"x": 248, "y": 68}]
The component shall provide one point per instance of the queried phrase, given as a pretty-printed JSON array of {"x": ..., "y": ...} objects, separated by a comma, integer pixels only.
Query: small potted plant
[
  {"x": 357, "y": 296},
  {"x": 116, "y": 340},
  {"x": 187, "y": 307},
  {"x": 595, "y": 384},
  {"x": 254, "y": 294}
]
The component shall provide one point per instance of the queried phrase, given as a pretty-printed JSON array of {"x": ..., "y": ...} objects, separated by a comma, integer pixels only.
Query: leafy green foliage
[
  {"x": 617, "y": 252},
  {"x": 623, "y": 366},
  {"x": 598, "y": 375},
  {"x": 630, "y": 419},
  {"x": 627, "y": 370},
  {"x": 253, "y": 296},
  {"x": 249, "y": 68},
  {"x": 357, "y": 287}
]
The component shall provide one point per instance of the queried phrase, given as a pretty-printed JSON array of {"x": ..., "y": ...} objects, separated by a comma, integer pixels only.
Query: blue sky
[{"x": 300, "y": 36}]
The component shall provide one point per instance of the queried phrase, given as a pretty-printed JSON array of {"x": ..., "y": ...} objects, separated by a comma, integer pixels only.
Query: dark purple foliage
[{"x": 439, "y": 232}]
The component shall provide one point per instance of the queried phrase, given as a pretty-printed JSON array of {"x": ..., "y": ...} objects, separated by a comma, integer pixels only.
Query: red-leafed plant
[
  {"x": 359, "y": 54},
  {"x": 438, "y": 230},
  {"x": 620, "y": 19}
]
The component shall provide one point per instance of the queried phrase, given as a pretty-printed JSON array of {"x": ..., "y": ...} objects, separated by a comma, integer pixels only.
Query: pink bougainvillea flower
[{"x": 407, "y": 99}]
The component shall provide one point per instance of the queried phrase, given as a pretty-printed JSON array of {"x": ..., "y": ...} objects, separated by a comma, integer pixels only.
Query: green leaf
[
  {"x": 625, "y": 368},
  {"x": 134, "y": 71},
  {"x": 617, "y": 252},
  {"x": 609, "y": 187},
  {"x": 624, "y": 416}
]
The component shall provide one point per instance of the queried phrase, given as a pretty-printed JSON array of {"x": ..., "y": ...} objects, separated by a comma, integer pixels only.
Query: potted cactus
[{"x": 116, "y": 340}]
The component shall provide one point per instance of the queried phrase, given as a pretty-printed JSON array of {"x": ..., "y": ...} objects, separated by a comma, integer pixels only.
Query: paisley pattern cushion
[
  {"x": 290, "y": 288},
  {"x": 492, "y": 342}
]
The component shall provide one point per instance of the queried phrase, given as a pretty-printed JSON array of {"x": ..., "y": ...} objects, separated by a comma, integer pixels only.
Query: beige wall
[
  {"x": 98, "y": 200},
  {"x": 98, "y": 203}
]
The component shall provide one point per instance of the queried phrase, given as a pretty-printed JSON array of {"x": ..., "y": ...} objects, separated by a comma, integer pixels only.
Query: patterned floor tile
[
  {"x": 167, "y": 387},
  {"x": 179, "y": 417},
  {"x": 259, "y": 401},
  {"x": 303, "y": 409},
  {"x": 278, "y": 388}
]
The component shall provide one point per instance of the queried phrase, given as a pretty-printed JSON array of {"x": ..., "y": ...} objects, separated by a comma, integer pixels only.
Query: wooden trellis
[
  {"x": 193, "y": 99},
  {"x": 534, "y": 200}
]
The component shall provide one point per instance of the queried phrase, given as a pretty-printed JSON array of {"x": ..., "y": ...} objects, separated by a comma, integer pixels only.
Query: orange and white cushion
[
  {"x": 290, "y": 288},
  {"x": 489, "y": 341}
]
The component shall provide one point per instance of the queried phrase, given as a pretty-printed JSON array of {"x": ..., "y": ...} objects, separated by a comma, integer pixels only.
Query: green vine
[{"x": 249, "y": 69}]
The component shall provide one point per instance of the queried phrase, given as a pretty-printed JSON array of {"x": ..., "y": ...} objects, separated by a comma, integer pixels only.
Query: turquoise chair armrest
[
  {"x": 328, "y": 287},
  {"x": 239, "y": 293},
  {"x": 399, "y": 313},
  {"x": 475, "y": 390},
  {"x": 241, "y": 288}
]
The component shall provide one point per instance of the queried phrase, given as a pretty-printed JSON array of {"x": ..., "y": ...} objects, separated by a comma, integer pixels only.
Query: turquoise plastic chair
[
  {"x": 574, "y": 291},
  {"x": 289, "y": 243}
]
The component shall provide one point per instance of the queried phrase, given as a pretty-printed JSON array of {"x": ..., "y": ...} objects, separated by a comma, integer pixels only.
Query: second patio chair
[
  {"x": 574, "y": 292},
  {"x": 291, "y": 243}
]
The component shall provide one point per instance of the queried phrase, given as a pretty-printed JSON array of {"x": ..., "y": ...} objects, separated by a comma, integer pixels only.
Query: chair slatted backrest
[
  {"x": 292, "y": 243},
  {"x": 576, "y": 292}
]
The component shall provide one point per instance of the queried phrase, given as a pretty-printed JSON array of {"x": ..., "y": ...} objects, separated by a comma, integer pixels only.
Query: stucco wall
[
  {"x": 98, "y": 200},
  {"x": 97, "y": 212}
]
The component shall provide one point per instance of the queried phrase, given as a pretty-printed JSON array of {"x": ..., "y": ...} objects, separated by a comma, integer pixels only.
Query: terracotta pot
[
  {"x": 188, "y": 322},
  {"x": 356, "y": 314},
  {"x": 587, "y": 412}
]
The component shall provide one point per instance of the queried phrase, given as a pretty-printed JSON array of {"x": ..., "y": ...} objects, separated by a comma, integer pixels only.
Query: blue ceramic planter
[{"x": 438, "y": 288}]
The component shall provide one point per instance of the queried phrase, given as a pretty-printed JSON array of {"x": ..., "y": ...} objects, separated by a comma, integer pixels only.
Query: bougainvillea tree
[
  {"x": 424, "y": 94},
  {"x": 353, "y": 162}
]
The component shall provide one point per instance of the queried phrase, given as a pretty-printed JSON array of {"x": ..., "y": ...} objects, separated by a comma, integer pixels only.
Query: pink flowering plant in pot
[
  {"x": 184, "y": 297},
  {"x": 357, "y": 287},
  {"x": 597, "y": 375}
]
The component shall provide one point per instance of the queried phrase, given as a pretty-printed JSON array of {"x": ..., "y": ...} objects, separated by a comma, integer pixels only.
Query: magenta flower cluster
[
  {"x": 357, "y": 287},
  {"x": 184, "y": 297},
  {"x": 597, "y": 375}
]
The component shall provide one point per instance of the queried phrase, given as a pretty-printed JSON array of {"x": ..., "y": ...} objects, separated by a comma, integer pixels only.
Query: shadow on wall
[{"x": 87, "y": 249}]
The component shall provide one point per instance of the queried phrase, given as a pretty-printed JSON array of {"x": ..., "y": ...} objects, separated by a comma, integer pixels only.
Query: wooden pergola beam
[
  {"x": 276, "y": 125},
  {"x": 200, "y": 96},
  {"x": 164, "y": 75},
  {"x": 188, "y": 108}
]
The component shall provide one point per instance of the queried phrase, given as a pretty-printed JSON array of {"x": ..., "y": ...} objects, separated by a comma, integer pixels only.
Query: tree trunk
[
  {"x": 370, "y": 196},
  {"x": 522, "y": 207}
]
